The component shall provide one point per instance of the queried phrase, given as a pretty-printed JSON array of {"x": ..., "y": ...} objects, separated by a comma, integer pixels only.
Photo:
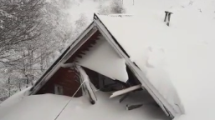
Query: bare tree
[
  {"x": 20, "y": 28},
  {"x": 115, "y": 7},
  {"x": 19, "y": 22}
]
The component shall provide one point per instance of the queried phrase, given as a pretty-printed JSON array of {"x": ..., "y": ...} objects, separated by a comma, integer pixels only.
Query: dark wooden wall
[{"x": 65, "y": 77}]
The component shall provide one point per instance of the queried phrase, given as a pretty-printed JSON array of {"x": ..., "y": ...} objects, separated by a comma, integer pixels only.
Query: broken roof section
[
  {"x": 137, "y": 42},
  {"x": 175, "y": 62}
]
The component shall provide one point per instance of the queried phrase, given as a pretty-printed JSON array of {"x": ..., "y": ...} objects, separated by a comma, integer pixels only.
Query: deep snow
[
  {"x": 8, "y": 104},
  {"x": 180, "y": 56},
  {"x": 48, "y": 106},
  {"x": 178, "y": 60}
]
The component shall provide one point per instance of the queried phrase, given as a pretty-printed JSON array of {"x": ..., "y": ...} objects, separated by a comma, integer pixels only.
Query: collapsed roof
[
  {"x": 166, "y": 60},
  {"x": 130, "y": 46}
]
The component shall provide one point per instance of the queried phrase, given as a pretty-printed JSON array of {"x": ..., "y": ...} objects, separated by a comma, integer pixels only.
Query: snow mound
[
  {"x": 6, "y": 106},
  {"x": 48, "y": 106}
]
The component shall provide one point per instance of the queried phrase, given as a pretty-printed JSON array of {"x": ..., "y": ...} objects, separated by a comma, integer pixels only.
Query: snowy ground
[
  {"x": 8, "y": 104},
  {"x": 48, "y": 106}
]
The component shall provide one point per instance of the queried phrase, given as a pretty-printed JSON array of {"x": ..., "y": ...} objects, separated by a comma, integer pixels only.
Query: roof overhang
[{"x": 85, "y": 35}]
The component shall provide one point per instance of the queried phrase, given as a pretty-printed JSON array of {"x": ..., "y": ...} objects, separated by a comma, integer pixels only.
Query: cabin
[{"x": 108, "y": 59}]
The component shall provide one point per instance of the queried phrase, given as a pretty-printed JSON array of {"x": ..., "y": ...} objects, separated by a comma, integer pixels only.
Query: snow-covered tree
[
  {"x": 113, "y": 7},
  {"x": 19, "y": 22},
  {"x": 33, "y": 33}
]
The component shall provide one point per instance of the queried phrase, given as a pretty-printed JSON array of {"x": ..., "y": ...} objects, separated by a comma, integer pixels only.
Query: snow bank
[
  {"x": 48, "y": 106},
  {"x": 6, "y": 106},
  {"x": 104, "y": 60},
  {"x": 106, "y": 109},
  {"x": 178, "y": 60},
  {"x": 36, "y": 107}
]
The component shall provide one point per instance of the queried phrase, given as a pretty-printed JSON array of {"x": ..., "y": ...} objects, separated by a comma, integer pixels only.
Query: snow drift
[
  {"x": 9, "y": 103},
  {"x": 48, "y": 106}
]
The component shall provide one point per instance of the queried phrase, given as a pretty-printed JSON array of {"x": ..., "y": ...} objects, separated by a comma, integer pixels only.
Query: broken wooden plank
[{"x": 124, "y": 91}]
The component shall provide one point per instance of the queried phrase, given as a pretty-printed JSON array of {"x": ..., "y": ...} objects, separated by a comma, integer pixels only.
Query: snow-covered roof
[
  {"x": 128, "y": 33},
  {"x": 58, "y": 107},
  {"x": 177, "y": 60},
  {"x": 175, "y": 63}
]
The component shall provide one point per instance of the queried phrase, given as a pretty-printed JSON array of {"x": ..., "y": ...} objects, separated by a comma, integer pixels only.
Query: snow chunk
[
  {"x": 103, "y": 59},
  {"x": 155, "y": 57}
]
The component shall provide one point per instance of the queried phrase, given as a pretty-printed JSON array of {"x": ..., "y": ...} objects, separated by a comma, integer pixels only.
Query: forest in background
[{"x": 33, "y": 33}]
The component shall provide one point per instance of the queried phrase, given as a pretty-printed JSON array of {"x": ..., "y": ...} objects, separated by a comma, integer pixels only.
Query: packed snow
[
  {"x": 178, "y": 60},
  {"x": 48, "y": 107},
  {"x": 103, "y": 59}
]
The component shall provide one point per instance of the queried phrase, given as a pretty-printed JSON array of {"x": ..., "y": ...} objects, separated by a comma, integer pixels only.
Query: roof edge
[
  {"x": 61, "y": 57},
  {"x": 114, "y": 15},
  {"x": 96, "y": 17}
]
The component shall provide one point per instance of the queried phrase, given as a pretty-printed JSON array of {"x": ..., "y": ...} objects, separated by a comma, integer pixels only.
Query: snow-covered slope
[
  {"x": 178, "y": 59},
  {"x": 48, "y": 106}
]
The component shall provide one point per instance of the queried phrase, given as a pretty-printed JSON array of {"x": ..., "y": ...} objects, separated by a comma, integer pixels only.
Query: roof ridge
[{"x": 115, "y": 15}]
